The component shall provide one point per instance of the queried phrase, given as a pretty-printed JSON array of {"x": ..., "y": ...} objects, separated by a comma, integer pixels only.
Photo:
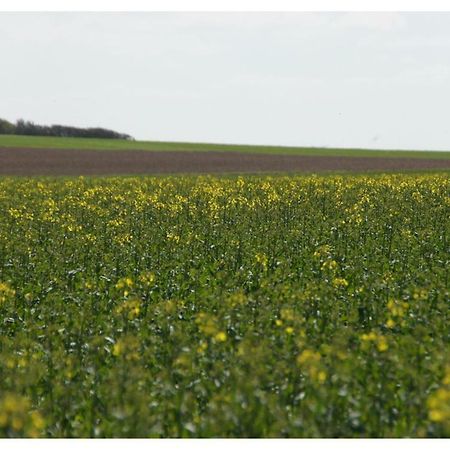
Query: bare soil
[{"x": 27, "y": 161}]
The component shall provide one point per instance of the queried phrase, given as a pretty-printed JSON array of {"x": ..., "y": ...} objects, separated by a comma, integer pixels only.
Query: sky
[{"x": 367, "y": 80}]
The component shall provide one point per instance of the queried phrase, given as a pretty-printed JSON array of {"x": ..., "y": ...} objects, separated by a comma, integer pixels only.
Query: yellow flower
[
  {"x": 127, "y": 347},
  {"x": 147, "y": 278},
  {"x": 124, "y": 282},
  {"x": 6, "y": 292},
  {"x": 15, "y": 414},
  {"x": 131, "y": 308},
  {"x": 173, "y": 237},
  {"x": 202, "y": 347},
  {"x": 118, "y": 348},
  {"x": 207, "y": 324},
  {"x": 322, "y": 376},
  {"x": 323, "y": 250},
  {"x": 379, "y": 340},
  {"x": 289, "y": 330},
  {"x": 340, "y": 282},
  {"x": 262, "y": 259},
  {"x": 390, "y": 323},
  {"x": 220, "y": 336},
  {"x": 311, "y": 364},
  {"x": 372, "y": 336},
  {"x": 308, "y": 356},
  {"x": 436, "y": 415},
  {"x": 420, "y": 294},
  {"x": 236, "y": 299},
  {"x": 382, "y": 344},
  {"x": 329, "y": 264},
  {"x": 38, "y": 424},
  {"x": 396, "y": 308},
  {"x": 439, "y": 406}
]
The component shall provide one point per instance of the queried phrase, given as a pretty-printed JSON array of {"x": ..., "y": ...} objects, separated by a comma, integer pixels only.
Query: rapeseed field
[{"x": 199, "y": 306}]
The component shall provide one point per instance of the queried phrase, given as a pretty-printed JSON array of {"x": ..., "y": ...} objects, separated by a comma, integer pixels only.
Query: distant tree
[
  {"x": 6, "y": 127},
  {"x": 27, "y": 128}
]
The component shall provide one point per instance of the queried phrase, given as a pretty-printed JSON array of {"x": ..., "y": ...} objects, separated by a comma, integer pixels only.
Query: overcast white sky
[{"x": 376, "y": 80}]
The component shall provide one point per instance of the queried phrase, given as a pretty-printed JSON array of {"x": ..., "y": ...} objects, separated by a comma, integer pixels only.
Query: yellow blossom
[
  {"x": 220, "y": 336},
  {"x": 390, "y": 323},
  {"x": 147, "y": 278},
  {"x": 202, "y": 347},
  {"x": 340, "y": 282},
  {"x": 380, "y": 341},
  {"x": 131, "y": 308},
  {"x": 329, "y": 264},
  {"x": 310, "y": 362},
  {"x": 6, "y": 292},
  {"x": 439, "y": 406},
  {"x": 127, "y": 347},
  {"x": 262, "y": 259}
]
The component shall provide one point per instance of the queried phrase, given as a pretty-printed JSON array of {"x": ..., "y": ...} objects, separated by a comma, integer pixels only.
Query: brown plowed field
[{"x": 26, "y": 161}]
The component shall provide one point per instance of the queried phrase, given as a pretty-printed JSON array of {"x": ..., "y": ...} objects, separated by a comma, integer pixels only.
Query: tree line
[{"x": 27, "y": 128}]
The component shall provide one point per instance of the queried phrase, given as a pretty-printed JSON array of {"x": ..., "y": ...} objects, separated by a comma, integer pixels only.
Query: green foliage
[
  {"x": 6, "y": 127},
  {"x": 240, "y": 306}
]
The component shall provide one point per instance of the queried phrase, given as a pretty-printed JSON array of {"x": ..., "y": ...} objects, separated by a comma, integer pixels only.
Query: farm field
[
  {"x": 34, "y": 155},
  {"x": 238, "y": 306},
  {"x": 14, "y": 141},
  {"x": 32, "y": 161}
]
